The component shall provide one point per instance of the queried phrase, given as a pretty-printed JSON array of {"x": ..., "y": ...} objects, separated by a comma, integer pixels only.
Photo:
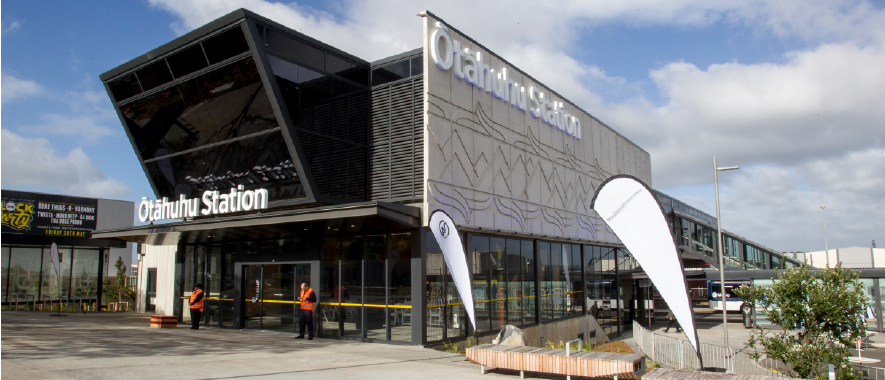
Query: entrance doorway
[{"x": 270, "y": 293}]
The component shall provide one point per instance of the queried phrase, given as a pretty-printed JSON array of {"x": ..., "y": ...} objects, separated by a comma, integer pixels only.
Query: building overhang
[{"x": 364, "y": 217}]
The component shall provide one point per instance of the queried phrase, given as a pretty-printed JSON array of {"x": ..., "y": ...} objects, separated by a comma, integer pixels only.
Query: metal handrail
[
  {"x": 679, "y": 354},
  {"x": 568, "y": 351}
]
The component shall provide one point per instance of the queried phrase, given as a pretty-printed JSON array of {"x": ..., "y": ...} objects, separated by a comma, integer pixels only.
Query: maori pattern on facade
[{"x": 568, "y": 183}]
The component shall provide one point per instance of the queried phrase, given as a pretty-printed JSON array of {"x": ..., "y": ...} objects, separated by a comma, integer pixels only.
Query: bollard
[{"x": 832, "y": 370}]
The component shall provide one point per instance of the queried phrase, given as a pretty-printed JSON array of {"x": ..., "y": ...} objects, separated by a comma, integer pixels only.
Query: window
[
  {"x": 256, "y": 162},
  {"x": 295, "y": 50},
  {"x": 398, "y": 70},
  {"x": 125, "y": 87},
  {"x": 84, "y": 273},
  {"x": 602, "y": 296},
  {"x": 154, "y": 75},
  {"x": 225, "y": 45},
  {"x": 187, "y": 61},
  {"x": 220, "y": 105}
]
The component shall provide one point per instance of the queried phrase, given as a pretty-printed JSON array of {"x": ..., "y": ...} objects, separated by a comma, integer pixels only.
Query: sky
[{"x": 793, "y": 92}]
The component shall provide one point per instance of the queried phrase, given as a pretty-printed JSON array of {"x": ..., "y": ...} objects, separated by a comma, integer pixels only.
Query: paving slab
[{"x": 122, "y": 345}]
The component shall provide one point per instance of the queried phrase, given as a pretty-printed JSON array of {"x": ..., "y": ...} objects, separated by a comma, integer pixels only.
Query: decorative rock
[{"x": 510, "y": 336}]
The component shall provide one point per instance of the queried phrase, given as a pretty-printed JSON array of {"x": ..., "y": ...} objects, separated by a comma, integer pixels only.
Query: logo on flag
[{"x": 443, "y": 229}]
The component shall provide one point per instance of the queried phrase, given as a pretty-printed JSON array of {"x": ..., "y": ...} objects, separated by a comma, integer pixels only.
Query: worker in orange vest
[
  {"x": 308, "y": 300},
  {"x": 196, "y": 303}
]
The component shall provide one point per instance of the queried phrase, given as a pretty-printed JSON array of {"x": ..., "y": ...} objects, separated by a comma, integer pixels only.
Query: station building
[
  {"x": 32, "y": 222},
  {"x": 284, "y": 160}
]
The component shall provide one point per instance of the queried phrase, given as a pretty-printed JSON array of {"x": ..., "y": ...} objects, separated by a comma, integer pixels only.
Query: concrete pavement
[{"x": 121, "y": 345}]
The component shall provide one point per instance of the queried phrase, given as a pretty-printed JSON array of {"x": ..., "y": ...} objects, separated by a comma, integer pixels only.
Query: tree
[
  {"x": 117, "y": 289},
  {"x": 821, "y": 314}
]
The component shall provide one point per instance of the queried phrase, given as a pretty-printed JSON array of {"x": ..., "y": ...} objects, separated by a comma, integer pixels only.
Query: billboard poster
[{"x": 47, "y": 215}]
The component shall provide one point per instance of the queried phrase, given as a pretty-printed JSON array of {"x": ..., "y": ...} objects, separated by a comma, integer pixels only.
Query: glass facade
[
  {"x": 602, "y": 288},
  {"x": 29, "y": 276},
  {"x": 327, "y": 98},
  {"x": 25, "y": 273},
  {"x": 4, "y": 258},
  {"x": 215, "y": 49},
  {"x": 754, "y": 258},
  {"x": 364, "y": 284},
  {"x": 732, "y": 250},
  {"x": 738, "y": 254},
  {"x": 503, "y": 280},
  {"x": 523, "y": 282},
  {"x": 395, "y": 71},
  {"x": 213, "y": 132}
]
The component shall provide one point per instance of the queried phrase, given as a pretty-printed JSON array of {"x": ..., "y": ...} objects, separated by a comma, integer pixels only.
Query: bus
[{"x": 732, "y": 302}]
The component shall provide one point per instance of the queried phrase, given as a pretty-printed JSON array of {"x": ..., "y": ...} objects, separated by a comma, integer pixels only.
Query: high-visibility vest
[
  {"x": 198, "y": 304},
  {"x": 305, "y": 303}
]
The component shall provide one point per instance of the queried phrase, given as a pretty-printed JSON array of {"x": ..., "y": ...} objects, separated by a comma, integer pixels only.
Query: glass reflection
[
  {"x": 4, "y": 256},
  {"x": 84, "y": 274},
  {"x": 154, "y": 75},
  {"x": 256, "y": 162},
  {"x": 331, "y": 123},
  {"x": 225, "y": 45},
  {"x": 435, "y": 290},
  {"x": 50, "y": 281},
  {"x": 125, "y": 87},
  {"x": 187, "y": 61},
  {"x": 294, "y": 50},
  {"x": 399, "y": 263},
  {"x": 391, "y": 72},
  {"x": 375, "y": 291},
  {"x": 24, "y": 273},
  {"x": 226, "y": 103}
]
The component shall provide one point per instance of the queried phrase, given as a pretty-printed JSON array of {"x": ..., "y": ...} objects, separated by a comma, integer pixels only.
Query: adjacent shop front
[{"x": 32, "y": 222}]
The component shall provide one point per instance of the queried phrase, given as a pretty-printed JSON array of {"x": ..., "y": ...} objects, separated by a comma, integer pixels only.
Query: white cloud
[
  {"x": 780, "y": 206},
  {"x": 12, "y": 26},
  {"x": 32, "y": 162},
  {"x": 820, "y": 104},
  {"x": 87, "y": 127},
  {"x": 15, "y": 88}
]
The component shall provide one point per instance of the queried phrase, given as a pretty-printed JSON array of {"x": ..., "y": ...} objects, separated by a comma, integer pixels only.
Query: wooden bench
[{"x": 555, "y": 361}]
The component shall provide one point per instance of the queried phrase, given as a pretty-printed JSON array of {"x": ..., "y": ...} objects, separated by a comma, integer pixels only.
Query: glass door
[
  {"x": 278, "y": 297},
  {"x": 270, "y": 291},
  {"x": 252, "y": 309}
]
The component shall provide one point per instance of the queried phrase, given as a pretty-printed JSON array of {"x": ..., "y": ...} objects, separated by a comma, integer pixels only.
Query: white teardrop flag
[
  {"x": 636, "y": 217},
  {"x": 456, "y": 260}
]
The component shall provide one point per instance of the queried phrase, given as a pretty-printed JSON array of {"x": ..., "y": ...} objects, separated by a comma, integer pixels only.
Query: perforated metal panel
[
  {"x": 396, "y": 154},
  {"x": 333, "y": 144}
]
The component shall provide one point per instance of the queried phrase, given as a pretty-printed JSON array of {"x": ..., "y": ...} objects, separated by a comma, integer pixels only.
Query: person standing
[
  {"x": 196, "y": 303},
  {"x": 672, "y": 320},
  {"x": 308, "y": 302}
]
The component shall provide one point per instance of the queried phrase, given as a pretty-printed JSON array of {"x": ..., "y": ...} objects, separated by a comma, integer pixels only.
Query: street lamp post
[
  {"x": 826, "y": 244},
  {"x": 716, "y": 170}
]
